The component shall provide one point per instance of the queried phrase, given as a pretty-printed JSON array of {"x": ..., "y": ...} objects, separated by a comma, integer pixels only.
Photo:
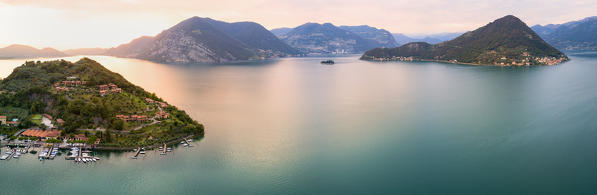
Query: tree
[{"x": 108, "y": 136}]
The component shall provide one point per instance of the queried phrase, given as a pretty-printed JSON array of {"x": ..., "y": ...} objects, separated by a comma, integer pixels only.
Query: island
[
  {"x": 505, "y": 42},
  {"x": 85, "y": 103}
]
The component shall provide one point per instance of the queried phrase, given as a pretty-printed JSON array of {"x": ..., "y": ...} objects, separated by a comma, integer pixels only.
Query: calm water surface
[{"x": 296, "y": 126}]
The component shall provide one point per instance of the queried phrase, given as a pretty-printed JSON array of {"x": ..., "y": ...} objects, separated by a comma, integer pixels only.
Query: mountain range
[
  {"x": 572, "y": 36},
  {"x": 204, "y": 40},
  {"x": 402, "y": 39},
  {"x": 381, "y": 36},
  {"x": 23, "y": 51},
  {"x": 324, "y": 39},
  {"x": 86, "y": 51},
  {"x": 505, "y": 41}
]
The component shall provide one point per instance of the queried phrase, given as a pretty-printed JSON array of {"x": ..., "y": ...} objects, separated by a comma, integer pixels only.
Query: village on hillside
[{"x": 47, "y": 131}]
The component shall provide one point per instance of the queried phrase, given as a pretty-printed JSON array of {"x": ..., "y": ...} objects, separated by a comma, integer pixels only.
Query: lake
[{"x": 294, "y": 126}]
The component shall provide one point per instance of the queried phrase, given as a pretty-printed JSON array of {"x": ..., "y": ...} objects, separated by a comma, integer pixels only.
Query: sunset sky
[{"x": 65, "y": 24}]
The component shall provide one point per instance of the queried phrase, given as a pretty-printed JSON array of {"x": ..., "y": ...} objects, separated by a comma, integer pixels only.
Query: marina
[{"x": 79, "y": 153}]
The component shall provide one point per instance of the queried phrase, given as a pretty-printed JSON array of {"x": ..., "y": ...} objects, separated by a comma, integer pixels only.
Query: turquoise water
[{"x": 296, "y": 126}]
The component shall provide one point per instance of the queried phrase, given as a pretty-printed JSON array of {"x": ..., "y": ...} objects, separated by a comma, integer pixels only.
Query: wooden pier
[{"x": 137, "y": 153}]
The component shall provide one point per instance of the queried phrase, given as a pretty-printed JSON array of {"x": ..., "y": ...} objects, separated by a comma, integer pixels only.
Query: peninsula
[
  {"x": 505, "y": 42},
  {"x": 83, "y": 102}
]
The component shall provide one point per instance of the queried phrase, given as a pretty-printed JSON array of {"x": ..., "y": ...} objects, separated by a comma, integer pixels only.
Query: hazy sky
[{"x": 65, "y": 24}]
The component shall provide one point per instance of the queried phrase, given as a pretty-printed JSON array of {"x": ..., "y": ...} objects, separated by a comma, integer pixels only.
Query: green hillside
[
  {"x": 37, "y": 88},
  {"x": 506, "y": 41}
]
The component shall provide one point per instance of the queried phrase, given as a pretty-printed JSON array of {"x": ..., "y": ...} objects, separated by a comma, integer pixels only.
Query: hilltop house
[{"x": 2, "y": 120}]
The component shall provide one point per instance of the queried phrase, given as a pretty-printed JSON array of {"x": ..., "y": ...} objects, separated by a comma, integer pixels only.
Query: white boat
[
  {"x": 163, "y": 153},
  {"x": 133, "y": 157},
  {"x": 142, "y": 152},
  {"x": 182, "y": 142}
]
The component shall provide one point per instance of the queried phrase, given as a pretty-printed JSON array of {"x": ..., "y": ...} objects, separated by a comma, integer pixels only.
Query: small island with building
[{"x": 84, "y": 105}]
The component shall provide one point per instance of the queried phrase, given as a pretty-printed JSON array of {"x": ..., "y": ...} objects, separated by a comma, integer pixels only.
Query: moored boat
[{"x": 328, "y": 62}]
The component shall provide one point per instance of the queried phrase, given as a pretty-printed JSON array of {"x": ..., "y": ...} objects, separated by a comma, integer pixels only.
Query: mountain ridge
[
  {"x": 24, "y": 51},
  {"x": 580, "y": 35},
  {"x": 325, "y": 38},
  {"x": 204, "y": 40},
  {"x": 505, "y": 41}
]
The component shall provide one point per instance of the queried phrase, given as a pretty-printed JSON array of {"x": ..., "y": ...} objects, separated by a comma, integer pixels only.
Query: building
[
  {"x": 109, "y": 88},
  {"x": 59, "y": 89},
  {"x": 163, "y": 105},
  {"x": 80, "y": 137},
  {"x": 139, "y": 117},
  {"x": 2, "y": 120},
  {"x": 115, "y": 90},
  {"x": 53, "y": 134},
  {"x": 149, "y": 100},
  {"x": 132, "y": 117},
  {"x": 60, "y": 121},
  {"x": 103, "y": 87},
  {"x": 15, "y": 122},
  {"x": 162, "y": 115},
  {"x": 47, "y": 116}
]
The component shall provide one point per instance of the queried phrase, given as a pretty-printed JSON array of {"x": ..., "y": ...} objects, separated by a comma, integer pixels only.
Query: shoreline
[
  {"x": 149, "y": 147},
  {"x": 462, "y": 63},
  {"x": 123, "y": 149}
]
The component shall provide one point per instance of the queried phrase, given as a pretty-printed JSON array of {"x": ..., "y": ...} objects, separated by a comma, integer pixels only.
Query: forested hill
[
  {"x": 505, "y": 41},
  {"x": 45, "y": 74},
  {"x": 86, "y": 95}
]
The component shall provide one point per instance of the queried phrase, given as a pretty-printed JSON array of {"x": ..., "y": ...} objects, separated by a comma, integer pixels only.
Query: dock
[
  {"x": 186, "y": 143},
  {"x": 136, "y": 153},
  {"x": 8, "y": 155},
  {"x": 82, "y": 156},
  {"x": 164, "y": 150}
]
